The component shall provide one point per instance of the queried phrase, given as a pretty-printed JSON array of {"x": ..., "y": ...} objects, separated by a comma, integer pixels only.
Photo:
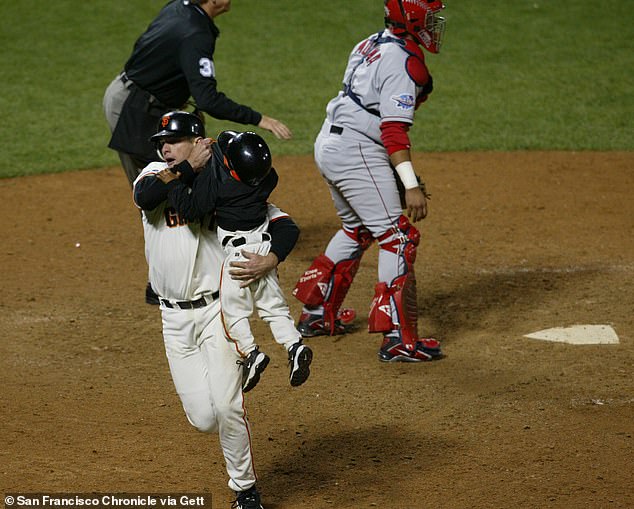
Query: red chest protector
[{"x": 417, "y": 70}]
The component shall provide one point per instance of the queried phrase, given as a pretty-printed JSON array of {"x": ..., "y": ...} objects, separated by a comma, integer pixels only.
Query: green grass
[{"x": 512, "y": 75}]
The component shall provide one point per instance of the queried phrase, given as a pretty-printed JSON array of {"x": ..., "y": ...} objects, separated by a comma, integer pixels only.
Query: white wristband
[{"x": 406, "y": 173}]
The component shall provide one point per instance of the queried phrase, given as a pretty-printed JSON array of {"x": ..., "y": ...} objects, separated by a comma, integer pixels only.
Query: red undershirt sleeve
[{"x": 394, "y": 136}]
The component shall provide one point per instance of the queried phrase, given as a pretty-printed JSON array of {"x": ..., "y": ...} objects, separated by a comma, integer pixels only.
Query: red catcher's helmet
[{"x": 419, "y": 18}]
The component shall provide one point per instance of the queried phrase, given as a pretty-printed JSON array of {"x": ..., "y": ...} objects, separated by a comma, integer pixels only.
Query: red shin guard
[
  {"x": 312, "y": 285},
  {"x": 401, "y": 295},
  {"x": 342, "y": 278}
]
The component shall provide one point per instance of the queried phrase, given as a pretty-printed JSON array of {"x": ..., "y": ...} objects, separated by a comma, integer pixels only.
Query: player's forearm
[
  {"x": 394, "y": 137},
  {"x": 284, "y": 234},
  {"x": 400, "y": 156},
  {"x": 180, "y": 198},
  {"x": 402, "y": 162},
  {"x": 219, "y": 106},
  {"x": 187, "y": 174},
  {"x": 149, "y": 193},
  {"x": 194, "y": 205}
]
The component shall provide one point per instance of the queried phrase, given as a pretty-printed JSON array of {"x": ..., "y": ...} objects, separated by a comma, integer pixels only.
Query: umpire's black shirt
[{"x": 173, "y": 60}]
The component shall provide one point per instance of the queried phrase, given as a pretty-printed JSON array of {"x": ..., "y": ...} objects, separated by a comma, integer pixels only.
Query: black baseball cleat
[
  {"x": 252, "y": 367},
  {"x": 150, "y": 296},
  {"x": 248, "y": 499},
  {"x": 299, "y": 359},
  {"x": 310, "y": 325},
  {"x": 393, "y": 350}
]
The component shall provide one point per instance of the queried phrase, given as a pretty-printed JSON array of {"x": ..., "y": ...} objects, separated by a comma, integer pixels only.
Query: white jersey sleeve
[{"x": 274, "y": 213}]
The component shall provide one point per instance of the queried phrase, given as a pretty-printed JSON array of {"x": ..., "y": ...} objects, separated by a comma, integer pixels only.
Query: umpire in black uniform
[{"x": 170, "y": 62}]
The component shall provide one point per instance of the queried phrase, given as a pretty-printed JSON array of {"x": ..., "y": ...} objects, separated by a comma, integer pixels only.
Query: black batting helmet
[
  {"x": 248, "y": 156},
  {"x": 179, "y": 124}
]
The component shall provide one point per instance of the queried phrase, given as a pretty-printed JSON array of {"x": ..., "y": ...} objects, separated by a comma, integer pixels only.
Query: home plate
[{"x": 578, "y": 335}]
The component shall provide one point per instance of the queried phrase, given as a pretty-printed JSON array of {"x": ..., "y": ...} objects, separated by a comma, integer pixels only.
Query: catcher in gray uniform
[{"x": 363, "y": 153}]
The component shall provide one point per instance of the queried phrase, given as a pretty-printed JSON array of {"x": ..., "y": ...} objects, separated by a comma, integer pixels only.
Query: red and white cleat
[
  {"x": 311, "y": 325},
  {"x": 393, "y": 350}
]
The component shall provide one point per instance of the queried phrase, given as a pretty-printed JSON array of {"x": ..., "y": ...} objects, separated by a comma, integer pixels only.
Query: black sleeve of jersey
[
  {"x": 196, "y": 57},
  {"x": 149, "y": 192},
  {"x": 284, "y": 234},
  {"x": 194, "y": 205},
  {"x": 187, "y": 172}
]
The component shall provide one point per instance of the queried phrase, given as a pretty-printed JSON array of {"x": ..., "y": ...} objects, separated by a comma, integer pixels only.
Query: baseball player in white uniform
[
  {"x": 184, "y": 260},
  {"x": 363, "y": 153},
  {"x": 235, "y": 185}
]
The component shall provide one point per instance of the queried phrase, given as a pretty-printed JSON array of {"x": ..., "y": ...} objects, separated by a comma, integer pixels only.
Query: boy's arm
[
  {"x": 195, "y": 203},
  {"x": 284, "y": 234}
]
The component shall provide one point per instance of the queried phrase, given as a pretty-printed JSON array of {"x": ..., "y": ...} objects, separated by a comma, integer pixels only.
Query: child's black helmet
[{"x": 248, "y": 156}]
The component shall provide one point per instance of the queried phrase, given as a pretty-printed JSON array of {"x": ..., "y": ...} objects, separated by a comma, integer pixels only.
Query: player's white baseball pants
[
  {"x": 209, "y": 384},
  {"x": 265, "y": 295}
]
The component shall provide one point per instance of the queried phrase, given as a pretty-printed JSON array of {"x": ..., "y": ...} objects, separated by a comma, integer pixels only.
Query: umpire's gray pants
[{"x": 113, "y": 100}]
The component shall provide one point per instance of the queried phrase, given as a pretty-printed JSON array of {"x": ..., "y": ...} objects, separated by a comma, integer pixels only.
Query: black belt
[
  {"x": 241, "y": 241},
  {"x": 235, "y": 242},
  {"x": 335, "y": 129},
  {"x": 153, "y": 104},
  {"x": 190, "y": 304}
]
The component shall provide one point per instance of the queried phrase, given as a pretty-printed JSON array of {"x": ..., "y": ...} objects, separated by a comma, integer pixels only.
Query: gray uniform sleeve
[{"x": 396, "y": 89}]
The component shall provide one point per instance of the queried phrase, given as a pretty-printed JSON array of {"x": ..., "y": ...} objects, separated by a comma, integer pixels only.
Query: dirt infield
[{"x": 514, "y": 243}]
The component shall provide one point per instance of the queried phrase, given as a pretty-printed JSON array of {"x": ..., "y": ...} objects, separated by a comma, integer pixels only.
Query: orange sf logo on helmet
[{"x": 164, "y": 121}]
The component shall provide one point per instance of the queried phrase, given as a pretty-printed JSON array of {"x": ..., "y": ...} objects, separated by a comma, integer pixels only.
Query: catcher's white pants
[
  {"x": 265, "y": 295},
  {"x": 209, "y": 384},
  {"x": 363, "y": 189}
]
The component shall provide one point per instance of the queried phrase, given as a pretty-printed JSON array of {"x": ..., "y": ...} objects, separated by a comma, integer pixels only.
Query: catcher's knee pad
[
  {"x": 402, "y": 239},
  {"x": 397, "y": 301},
  {"x": 361, "y": 235}
]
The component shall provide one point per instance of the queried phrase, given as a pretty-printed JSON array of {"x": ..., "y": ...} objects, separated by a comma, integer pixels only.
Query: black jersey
[
  {"x": 237, "y": 205},
  {"x": 173, "y": 60}
]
